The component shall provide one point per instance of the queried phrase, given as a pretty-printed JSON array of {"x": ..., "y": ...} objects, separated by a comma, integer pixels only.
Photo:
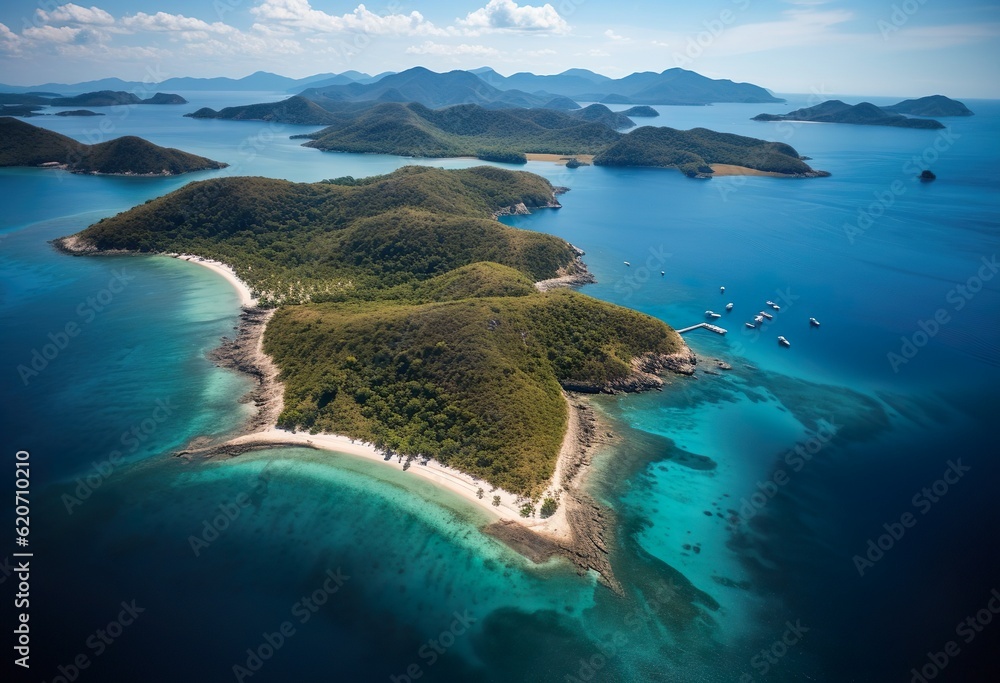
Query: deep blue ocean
[{"x": 824, "y": 512}]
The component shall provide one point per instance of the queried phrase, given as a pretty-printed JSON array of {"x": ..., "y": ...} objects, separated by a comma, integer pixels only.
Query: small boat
[
  {"x": 712, "y": 314},
  {"x": 769, "y": 303},
  {"x": 750, "y": 325},
  {"x": 662, "y": 273},
  {"x": 767, "y": 315},
  {"x": 628, "y": 264},
  {"x": 814, "y": 322},
  {"x": 776, "y": 307},
  {"x": 758, "y": 319},
  {"x": 729, "y": 307},
  {"x": 784, "y": 342},
  {"x": 722, "y": 290}
]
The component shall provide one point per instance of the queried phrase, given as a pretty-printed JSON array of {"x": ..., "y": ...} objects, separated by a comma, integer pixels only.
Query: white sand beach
[{"x": 247, "y": 299}]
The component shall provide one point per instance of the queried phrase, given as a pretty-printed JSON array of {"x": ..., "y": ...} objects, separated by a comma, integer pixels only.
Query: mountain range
[{"x": 481, "y": 86}]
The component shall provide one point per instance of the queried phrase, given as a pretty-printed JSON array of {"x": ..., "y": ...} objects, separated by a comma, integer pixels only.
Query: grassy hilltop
[{"x": 407, "y": 313}]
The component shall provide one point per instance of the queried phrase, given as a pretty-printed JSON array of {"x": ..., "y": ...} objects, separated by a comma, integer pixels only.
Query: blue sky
[{"x": 863, "y": 47}]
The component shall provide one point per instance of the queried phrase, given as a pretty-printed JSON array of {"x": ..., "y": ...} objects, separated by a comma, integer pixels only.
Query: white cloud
[
  {"x": 301, "y": 15},
  {"x": 937, "y": 37},
  {"x": 797, "y": 28},
  {"x": 169, "y": 23},
  {"x": 611, "y": 35},
  {"x": 595, "y": 52},
  {"x": 507, "y": 15},
  {"x": 10, "y": 42},
  {"x": 441, "y": 50},
  {"x": 52, "y": 34},
  {"x": 75, "y": 14}
]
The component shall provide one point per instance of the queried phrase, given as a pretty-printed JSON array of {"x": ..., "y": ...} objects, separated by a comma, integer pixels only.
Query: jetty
[{"x": 707, "y": 326}]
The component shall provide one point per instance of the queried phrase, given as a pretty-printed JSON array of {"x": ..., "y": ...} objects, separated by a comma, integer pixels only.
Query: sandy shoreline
[
  {"x": 247, "y": 299},
  {"x": 246, "y": 354},
  {"x": 561, "y": 159}
]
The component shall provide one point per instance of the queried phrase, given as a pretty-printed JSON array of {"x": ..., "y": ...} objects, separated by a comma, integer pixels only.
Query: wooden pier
[{"x": 708, "y": 326}]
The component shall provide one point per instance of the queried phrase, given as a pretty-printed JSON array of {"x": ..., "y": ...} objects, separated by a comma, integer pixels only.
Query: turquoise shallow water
[{"x": 685, "y": 465}]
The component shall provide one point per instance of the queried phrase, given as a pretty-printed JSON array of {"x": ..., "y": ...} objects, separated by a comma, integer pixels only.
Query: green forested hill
[
  {"x": 470, "y": 130},
  {"x": 693, "y": 150},
  {"x": 473, "y": 383},
  {"x": 423, "y": 332},
  {"x": 467, "y": 130},
  {"x": 22, "y": 144},
  {"x": 344, "y": 239}
]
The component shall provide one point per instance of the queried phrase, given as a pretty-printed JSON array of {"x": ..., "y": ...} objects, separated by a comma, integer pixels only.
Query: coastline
[
  {"x": 580, "y": 530},
  {"x": 723, "y": 170},
  {"x": 561, "y": 159},
  {"x": 247, "y": 299}
]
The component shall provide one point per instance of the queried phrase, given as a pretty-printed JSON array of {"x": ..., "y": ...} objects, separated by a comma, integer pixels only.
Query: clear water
[{"x": 684, "y": 470}]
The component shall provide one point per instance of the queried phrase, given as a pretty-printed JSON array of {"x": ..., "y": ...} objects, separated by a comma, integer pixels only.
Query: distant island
[
  {"x": 865, "y": 114},
  {"x": 641, "y": 111},
  {"x": 500, "y": 134},
  {"x": 934, "y": 105},
  {"x": 468, "y": 130},
  {"x": 695, "y": 151},
  {"x": 78, "y": 112},
  {"x": 22, "y": 144},
  {"x": 295, "y": 110},
  {"x": 108, "y": 98}
]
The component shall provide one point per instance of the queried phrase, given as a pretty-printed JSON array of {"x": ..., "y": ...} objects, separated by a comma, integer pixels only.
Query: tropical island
[
  {"x": 641, "y": 111},
  {"x": 864, "y": 114},
  {"x": 109, "y": 98},
  {"x": 513, "y": 134},
  {"x": 401, "y": 313},
  {"x": 933, "y": 105},
  {"x": 22, "y": 144}
]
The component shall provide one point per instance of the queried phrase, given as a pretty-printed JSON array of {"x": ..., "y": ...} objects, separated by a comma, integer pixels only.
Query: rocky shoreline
[
  {"x": 646, "y": 374},
  {"x": 593, "y": 524},
  {"x": 245, "y": 354}
]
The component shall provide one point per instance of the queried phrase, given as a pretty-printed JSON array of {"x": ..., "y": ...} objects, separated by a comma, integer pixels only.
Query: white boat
[
  {"x": 769, "y": 303},
  {"x": 712, "y": 314},
  {"x": 784, "y": 342},
  {"x": 776, "y": 307},
  {"x": 628, "y": 264},
  {"x": 767, "y": 315},
  {"x": 722, "y": 290},
  {"x": 814, "y": 322},
  {"x": 750, "y": 325},
  {"x": 729, "y": 307},
  {"x": 662, "y": 273},
  {"x": 758, "y": 319}
]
